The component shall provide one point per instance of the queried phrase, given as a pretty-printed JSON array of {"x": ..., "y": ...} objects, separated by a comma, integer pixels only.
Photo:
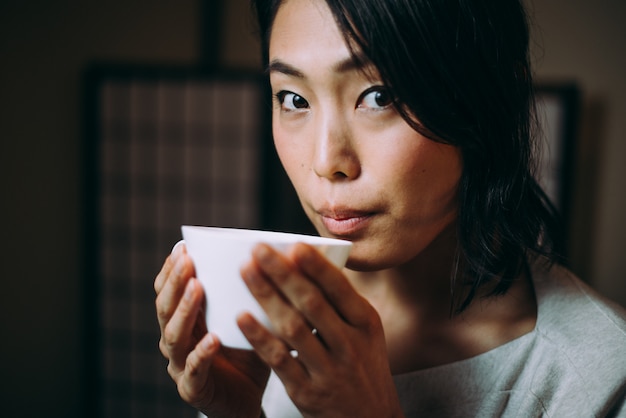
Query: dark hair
[{"x": 460, "y": 73}]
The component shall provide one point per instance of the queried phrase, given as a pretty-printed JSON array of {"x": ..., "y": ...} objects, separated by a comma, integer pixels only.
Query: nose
[{"x": 336, "y": 158}]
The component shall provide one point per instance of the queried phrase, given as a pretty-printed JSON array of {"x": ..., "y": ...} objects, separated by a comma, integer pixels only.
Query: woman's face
[{"x": 360, "y": 171}]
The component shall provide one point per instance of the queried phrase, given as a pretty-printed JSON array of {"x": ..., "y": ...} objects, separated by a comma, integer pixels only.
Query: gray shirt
[{"x": 573, "y": 364}]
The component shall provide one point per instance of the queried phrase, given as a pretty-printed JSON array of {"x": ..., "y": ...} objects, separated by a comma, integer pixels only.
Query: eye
[
  {"x": 290, "y": 101},
  {"x": 375, "y": 98}
]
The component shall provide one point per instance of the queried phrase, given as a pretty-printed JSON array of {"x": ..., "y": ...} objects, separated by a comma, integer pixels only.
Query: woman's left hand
[{"x": 342, "y": 368}]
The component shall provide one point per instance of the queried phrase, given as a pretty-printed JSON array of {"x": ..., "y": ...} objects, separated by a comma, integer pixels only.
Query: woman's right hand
[{"x": 216, "y": 380}]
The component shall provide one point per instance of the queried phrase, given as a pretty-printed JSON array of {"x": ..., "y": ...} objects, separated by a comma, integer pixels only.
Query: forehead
[
  {"x": 306, "y": 36},
  {"x": 305, "y": 30}
]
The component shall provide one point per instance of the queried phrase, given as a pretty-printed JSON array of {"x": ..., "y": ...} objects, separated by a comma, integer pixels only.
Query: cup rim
[{"x": 259, "y": 235}]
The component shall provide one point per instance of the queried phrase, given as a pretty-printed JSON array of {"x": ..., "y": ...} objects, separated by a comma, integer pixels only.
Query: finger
[
  {"x": 159, "y": 281},
  {"x": 322, "y": 278},
  {"x": 178, "y": 333},
  {"x": 172, "y": 289},
  {"x": 274, "y": 352},
  {"x": 350, "y": 305},
  {"x": 194, "y": 386},
  {"x": 297, "y": 289},
  {"x": 199, "y": 330},
  {"x": 292, "y": 311}
]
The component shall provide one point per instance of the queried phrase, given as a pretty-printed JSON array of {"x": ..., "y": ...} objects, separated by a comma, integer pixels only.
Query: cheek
[
  {"x": 292, "y": 154},
  {"x": 423, "y": 174}
]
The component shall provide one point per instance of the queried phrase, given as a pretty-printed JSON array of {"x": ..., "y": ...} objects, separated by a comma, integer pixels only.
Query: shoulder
[
  {"x": 580, "y": 341},
  {"x": 568, "y": 308}
]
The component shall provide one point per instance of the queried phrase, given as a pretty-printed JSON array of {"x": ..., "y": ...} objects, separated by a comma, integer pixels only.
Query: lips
[{"x": 343, "y": 222}]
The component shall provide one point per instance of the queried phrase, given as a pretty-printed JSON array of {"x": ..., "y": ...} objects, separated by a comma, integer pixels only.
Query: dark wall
[{"x": 45, "y": 47}]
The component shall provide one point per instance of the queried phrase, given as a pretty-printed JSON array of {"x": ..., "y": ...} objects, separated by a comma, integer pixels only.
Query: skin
[
  {"x": 220, "y": 382},
  {"x": 361, "y": 174}
]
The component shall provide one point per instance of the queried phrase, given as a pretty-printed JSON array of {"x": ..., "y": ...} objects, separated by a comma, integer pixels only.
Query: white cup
[{"x": 219, "y": 253}]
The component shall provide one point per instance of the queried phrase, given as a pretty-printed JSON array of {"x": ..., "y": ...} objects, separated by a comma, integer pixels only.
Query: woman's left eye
[{"x": 376, "y": 98}]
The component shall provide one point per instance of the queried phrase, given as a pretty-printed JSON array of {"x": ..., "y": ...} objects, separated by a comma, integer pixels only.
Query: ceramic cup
[{"x": 219, "y": 253}]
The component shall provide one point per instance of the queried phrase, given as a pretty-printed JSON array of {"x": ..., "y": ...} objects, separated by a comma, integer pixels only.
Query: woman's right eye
[{"x": 290, "y": 101}]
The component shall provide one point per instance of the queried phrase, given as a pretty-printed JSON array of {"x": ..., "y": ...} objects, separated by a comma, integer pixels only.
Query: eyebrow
[
  {"x": 348, "y": 64},
  {"x": 278, "y": 66}
]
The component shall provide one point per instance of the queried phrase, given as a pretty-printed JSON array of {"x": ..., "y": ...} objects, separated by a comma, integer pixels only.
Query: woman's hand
[
  {"x": 218, "y": 381},
  {"x": 342, "y": 368}
]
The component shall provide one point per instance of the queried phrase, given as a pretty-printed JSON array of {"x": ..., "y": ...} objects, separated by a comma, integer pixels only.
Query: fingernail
[
  {"x": 251, "y": 278},
  {"x": 177, "y": 249},
  {"x": 245, "y": 324},
  {"x": 208, "y": 342},
  {"x": 262, "y": 252}
]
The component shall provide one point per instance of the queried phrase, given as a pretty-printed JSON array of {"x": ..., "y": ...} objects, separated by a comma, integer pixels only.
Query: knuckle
[
  {"x": 189, "y": 394},
  {"x": 192, "y": 365},
  {"x": 369, "y": 319},
  {"x": 171, "y": 370},
  {"x": 162, "y": 308},
  {"x": 170, "y": 337},
  {"x": 158, "y": 283},
  {"x": 278, "y": 357},
  {"x": 373, "y": 322},
  {"x": 163, "y": 348},
  {"x": 294, "y": 330},
  {"x": 186, "y": 395},
  {"x": 184, "y": 380},
  {"x": 311, "y": 304},
  {"x": 166, "y": 307}
]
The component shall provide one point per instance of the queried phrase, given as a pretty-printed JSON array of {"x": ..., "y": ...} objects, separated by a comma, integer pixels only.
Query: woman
[{"x": 405, "y": 127}]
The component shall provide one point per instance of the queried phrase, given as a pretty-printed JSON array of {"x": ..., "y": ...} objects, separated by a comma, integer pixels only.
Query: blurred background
[{"x": 46, "y": 49}]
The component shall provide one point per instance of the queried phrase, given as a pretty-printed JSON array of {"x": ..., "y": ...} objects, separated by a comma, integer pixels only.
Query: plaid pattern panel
[{"x": 174, "y": 152}]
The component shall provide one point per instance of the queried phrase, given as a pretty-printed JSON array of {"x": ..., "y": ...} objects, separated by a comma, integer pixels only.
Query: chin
[{"x": 369, "y": 262}]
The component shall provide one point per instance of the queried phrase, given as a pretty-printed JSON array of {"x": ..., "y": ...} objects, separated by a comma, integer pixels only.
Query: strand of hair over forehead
[{"x": 361, "y": 20}]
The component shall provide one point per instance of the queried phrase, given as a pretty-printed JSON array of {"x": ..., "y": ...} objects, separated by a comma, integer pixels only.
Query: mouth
[{"x": 345, "y": 222}]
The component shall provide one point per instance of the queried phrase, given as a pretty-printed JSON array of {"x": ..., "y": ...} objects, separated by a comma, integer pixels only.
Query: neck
[
  {"x": 422, "y": 282},
  {"x": 414, "y": 302}
]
